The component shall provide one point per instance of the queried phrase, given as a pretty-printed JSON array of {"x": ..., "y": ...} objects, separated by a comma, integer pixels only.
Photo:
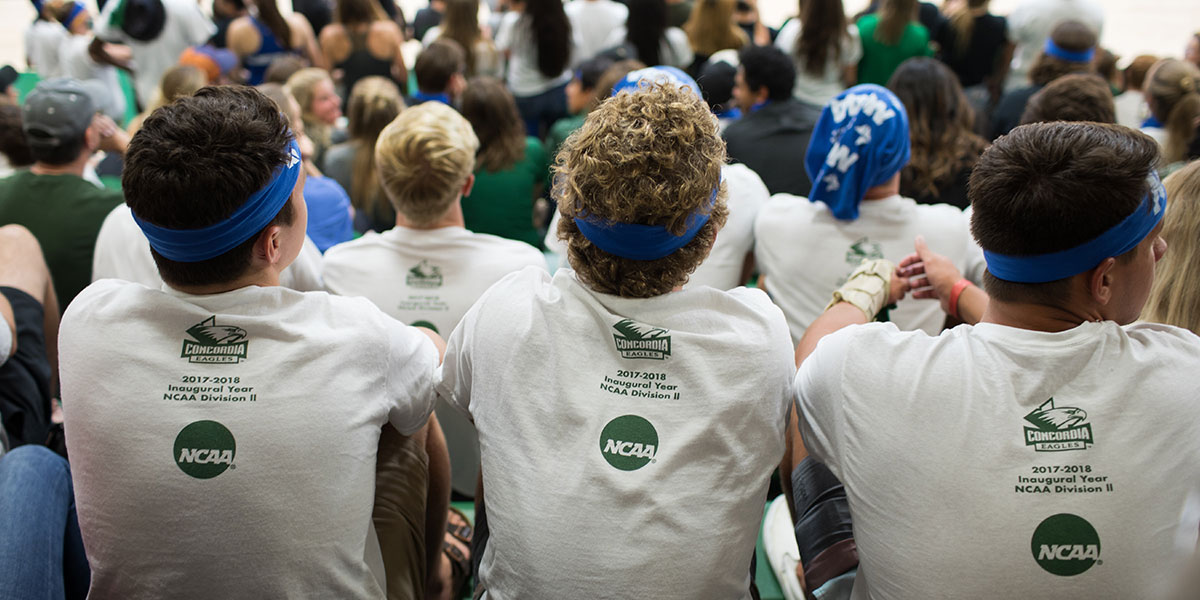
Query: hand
[
  {"x": 935, "y": 274},
  {"x": 897, "y": 287},
  {"x": 112, "y": 138}
]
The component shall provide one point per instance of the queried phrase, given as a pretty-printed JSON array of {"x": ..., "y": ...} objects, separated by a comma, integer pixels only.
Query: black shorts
[{"x": 25, "y": 378}]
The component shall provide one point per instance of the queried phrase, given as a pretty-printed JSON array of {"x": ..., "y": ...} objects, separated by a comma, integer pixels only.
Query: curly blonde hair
[
  {"x": 424, "y": 157},
  {"x": 652, "y": 157}
]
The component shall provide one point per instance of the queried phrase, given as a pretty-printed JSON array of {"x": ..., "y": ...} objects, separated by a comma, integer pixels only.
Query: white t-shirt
[
  {"x": 675, "y": 50},
  {"x": 185, "y": 25},
  {"x": 814, "y": 89},
  {"x": 1046, "y": 465},
  {"x": 1158, "y": 133},
  {"x": 593, "y": 21},
  {"x": 223, "y": 446},
  {"x": 430, "y": 278},
  {"x": 1030, "y": 24},
  {"x": 627, "y": 443},
  {"x": 806, "y": 254},
  {"x": 515, "y": 36},
  {"x": 42, "y": 41},
  {"x": 723, "y": 267},
  {"x": 122, "y": 252},
  {"x": 75, "y": 62}
]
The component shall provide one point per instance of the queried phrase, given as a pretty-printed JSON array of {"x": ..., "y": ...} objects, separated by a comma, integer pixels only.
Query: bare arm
[{"x": 936, "y": 277}]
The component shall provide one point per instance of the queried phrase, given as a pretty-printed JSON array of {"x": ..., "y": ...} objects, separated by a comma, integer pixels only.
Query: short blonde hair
[
  {"x": 652, "y": 157},
  {"x": 1175, "y": 295},
  {"x": 424, "y": 157}
]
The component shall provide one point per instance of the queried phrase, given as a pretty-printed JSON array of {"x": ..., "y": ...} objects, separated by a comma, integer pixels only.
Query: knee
[
  {"x": 32, "y": 458},
  {"x": 17, "y": 240}
]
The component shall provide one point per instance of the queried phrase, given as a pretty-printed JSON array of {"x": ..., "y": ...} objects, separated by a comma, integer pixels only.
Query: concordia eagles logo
[
  {"x": 641, "y": 341},
  {"x": 1058, "y": 428},
  {"x": 424, "y": 275},
  {"x": 212, "y": 343}
]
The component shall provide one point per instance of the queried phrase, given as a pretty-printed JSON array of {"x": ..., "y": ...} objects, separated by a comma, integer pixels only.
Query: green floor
[{"x": 768, "y": 586}]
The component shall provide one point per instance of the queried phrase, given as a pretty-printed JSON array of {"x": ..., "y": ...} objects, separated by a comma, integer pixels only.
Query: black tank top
[{"x": 360, "y": 63}]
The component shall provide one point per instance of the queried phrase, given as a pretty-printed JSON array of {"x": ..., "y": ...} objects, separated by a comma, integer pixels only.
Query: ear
[
  {"x": 1100, "y": 282},
  {"x": 761, "y": 95},
  {"x": 468, "y": 185},
  {"x": 268, "y": 248}
]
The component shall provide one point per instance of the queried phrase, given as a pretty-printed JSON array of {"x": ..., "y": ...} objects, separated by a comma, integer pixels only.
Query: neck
[
  {"x": 1036, "y": 317},
  {"x": 262, "y": 278},
  {"x": 887, "y": 189},
  {"x": 453, "y": 217},
  {"x": 72, "y": 168}
]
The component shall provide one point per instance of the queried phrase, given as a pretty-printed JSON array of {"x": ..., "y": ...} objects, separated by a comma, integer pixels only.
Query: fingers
[
  {"x": 908, "y": 260},
  {"x": 924, "y": 293},
  {"x": 921, "y": 247}
]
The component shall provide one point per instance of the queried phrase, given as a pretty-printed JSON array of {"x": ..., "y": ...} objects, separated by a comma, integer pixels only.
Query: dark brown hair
[
  {"x": 12, "y": 137},
  {"x": 357, "y": 12},
  {"x": 270, "y": 15},
  {"x": 941, "y": 126},
  {"x": 1048, "y": 187},
  {"x": 437, "y": 63},
  {"x": 1173, "y": 91},
  {"x": 197, "y": 160},
  {"x": 461, "y": 24},
  {"x": 492, "y": 112},
  {"x": 822, "y": 30},
  {"x": 551, "y": 35},
  {"x": 1075, "y": 97}
]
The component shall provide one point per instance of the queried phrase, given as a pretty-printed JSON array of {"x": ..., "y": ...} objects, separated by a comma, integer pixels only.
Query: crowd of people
[{"x": 278, "y": 286}]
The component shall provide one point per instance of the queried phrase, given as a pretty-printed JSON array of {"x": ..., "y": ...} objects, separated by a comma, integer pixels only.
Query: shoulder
[
  {"x": 787, "y": 209},
  {"x": 743, "y": 183},
  {"x": 516, "y": 252},
  {"x": 332, "y": 32},
  {"x": 104, "y": 303},
  {"x": 388, "y": 28},
  {"x": 789, "y": 34},
  {"x": 1170, "y": 340}
]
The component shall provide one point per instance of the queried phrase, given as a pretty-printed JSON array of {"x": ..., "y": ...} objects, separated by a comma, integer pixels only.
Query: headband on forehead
[
  {"x": 642, "y": 242},
  {"x": 1118, "y": 240},
  {"x": 1081, "y": 56},
  {"x": 195, "y": 245},
  {"x": 662, "y": 75},
  {"x": 76, "y": 8},
  {"x": 860, "y": 141}
]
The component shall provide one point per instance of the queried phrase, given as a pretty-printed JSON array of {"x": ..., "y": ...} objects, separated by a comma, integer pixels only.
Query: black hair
[
  {"x": 768, "y": 66},
  {"x": 716, "y": 83},
  {"x": 646, "y": 27},
  {"x": 551, "y": 34}
]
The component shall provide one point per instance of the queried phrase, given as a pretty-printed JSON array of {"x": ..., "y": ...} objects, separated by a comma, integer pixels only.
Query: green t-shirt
[
  {"x": 64, "y": 213},
  {"x": 560, "y": 131},
  {"x": 879, "y": 60},
  {"x": 501, "y": 203}
]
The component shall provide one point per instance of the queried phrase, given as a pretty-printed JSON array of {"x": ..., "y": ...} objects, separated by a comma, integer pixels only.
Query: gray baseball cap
[{"x": 59, "y": 111}]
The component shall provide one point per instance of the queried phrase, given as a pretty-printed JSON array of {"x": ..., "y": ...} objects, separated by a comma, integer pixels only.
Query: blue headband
[
  {"x": 642, "y": 242},
  {"x": 195, "y": 245},
  {"x": 1122, "y": 238},
  {"x": 76, "y": 8},
  {"x": 1082, "y": 56},
  {"x": 860, "y": 141}
]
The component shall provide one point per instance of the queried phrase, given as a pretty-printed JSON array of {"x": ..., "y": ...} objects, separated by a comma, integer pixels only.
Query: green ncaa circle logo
[
  {"x": 204, "y": 449},
  {"x": 628, "y": 442},
  {"x": 1065, "y": 544}
]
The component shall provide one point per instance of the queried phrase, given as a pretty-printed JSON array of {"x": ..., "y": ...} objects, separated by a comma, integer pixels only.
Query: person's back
[
  {"x": 62, "y": 210},
  {"x": 1049, "y": 450},
  {"x": 247, "y": 458},
  {"x": 1030, "y": 24},
  {"x": 649, "y": 419},
  {"x": 805, "y": 247},
  {"x": 594, "y": 20},
  {"x": 774, "y": 128},
  {"x": 889, "y": 37}
]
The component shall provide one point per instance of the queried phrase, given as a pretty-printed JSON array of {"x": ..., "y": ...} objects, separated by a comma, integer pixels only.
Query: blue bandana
[
  {"x": 195, "y": 245},
  {"x": 636, "y": 241},
  {"x": 1152, "y": 122},
  {"x": 1082, "y": 56},
  {"x": 1122, "y": 238},
  {"x": 76, "y": 8},
  {"x": 860, "y": 141}
]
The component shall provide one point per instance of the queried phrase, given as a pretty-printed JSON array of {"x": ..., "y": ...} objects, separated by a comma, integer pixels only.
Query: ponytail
[
  {"x": 1174, "y": 90},
  {"x": 270, "y": 15}
]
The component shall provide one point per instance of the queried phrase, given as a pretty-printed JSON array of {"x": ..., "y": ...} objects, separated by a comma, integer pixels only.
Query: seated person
[
  {"x": 41, "y": 553},
  {"x": 264, "y": 430},
  {"x": 775, "y": 128},
  {"x": 1049, "y": 439},
  {"x": 645, "y": 418},
  {"x": 429, "y": 269},
  {"x": 805, "y": 248},
  {"x": 52, "y": 199},
  {"x": 439, "y": 70}
]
